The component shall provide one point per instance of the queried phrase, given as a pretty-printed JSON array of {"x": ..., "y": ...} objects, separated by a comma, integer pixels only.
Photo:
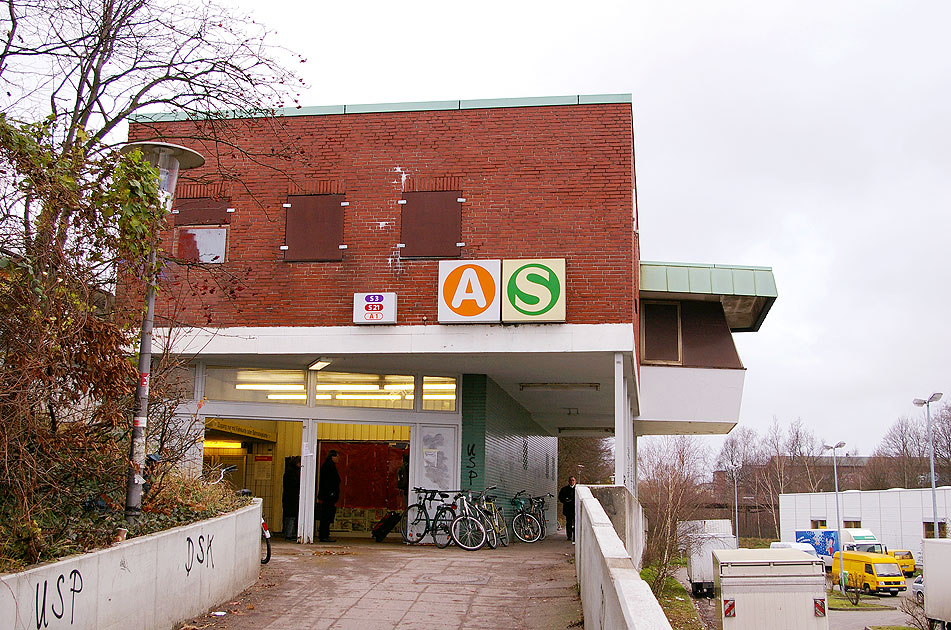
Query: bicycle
[
  {"x": 525, "y": 525},
  {"x": 265, "y": 532},
  {"x": 467, "y": 529},
  {"x": 538, "y": 511},
  {"x": 495, "y": 520},
  {"x": 416, "y": 522}
]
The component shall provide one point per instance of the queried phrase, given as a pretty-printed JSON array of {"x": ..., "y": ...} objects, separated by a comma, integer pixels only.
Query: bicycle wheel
[
  {"x": 415, "y": 524},
  {"x": 498, "y": 521},
  {"x": 441, "y": 526},
  {"x": 491, "y": 534},
  {"x": 265, "y": 544},
  {"x": 468, "y": 532},
  {"x": 526, "y": 527}
]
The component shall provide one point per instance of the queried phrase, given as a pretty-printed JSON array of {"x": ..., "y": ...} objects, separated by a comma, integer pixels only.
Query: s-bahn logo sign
[{"x": 524, "y": 291}]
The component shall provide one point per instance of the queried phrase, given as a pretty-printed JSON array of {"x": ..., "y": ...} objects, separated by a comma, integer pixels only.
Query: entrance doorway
[
  {"x": 373, "y": 464},
  {"x": 259, "y": 449}
]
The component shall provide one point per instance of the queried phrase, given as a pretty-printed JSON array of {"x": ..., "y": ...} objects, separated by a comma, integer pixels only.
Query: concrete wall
[
  {"x": 613, "y": 595},
  {"x": 627, "y": 517},
  {"x": 149, "y": 582}
]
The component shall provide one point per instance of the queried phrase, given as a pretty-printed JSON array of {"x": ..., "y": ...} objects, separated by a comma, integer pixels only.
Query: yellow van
[
  {"x": 905, "y": 559},
  {"x": 872, "y": 572}
]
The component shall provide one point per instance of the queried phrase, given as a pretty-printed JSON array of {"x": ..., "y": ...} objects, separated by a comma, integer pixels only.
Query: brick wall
[{"x": 553, "y": 182}]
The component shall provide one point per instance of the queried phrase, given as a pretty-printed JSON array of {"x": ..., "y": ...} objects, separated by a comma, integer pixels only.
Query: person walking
[
  {"x": 567, "y": 497},
  {"x": 328, "y": 493}
]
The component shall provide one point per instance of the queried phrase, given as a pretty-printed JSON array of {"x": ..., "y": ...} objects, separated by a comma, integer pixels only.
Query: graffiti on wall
[
  {"x": 199, "y": 551},
  {"x": 472, "y": 474},
  {"x": 58, "y": 610}
]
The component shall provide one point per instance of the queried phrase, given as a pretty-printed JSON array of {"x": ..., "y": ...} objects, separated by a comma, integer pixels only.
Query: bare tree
[
  {"x": 941, "y": 430},
  {"x": 589, "y": 459},
  {"x": 905, "y": 446},
  {"x": 672, "y": 472},
  {"x": 805, "y": 451},
  {"x": 73, "y": 71}
]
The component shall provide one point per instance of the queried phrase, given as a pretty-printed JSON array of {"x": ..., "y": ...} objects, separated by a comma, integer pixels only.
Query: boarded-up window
[
  {"x": 202, "y": 244},
  {"x": 314, "y": 228},
  {"x": 201, "y": 211},
  {"x": 201, "y": 229},
  {"x": 661, "y": 332},
  {"x": 432, "y": 224}
]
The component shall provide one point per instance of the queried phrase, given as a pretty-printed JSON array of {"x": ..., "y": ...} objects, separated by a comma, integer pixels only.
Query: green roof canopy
[{"x": 746, "y": 292}]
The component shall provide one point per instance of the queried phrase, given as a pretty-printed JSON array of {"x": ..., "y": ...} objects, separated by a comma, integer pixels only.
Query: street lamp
[
  {"x": 167, "y": 159},
  {"x": 736, "y": 506},
  {"x": 918, "y": 402},
  {"x": 838, "y": 518}
]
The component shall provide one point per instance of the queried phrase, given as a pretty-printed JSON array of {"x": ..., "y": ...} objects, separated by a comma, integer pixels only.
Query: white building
[{"x": 899, "y": 517}]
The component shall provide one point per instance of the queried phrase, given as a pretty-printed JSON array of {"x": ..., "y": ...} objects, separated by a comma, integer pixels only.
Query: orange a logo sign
[{"x": 469, "y": 291}]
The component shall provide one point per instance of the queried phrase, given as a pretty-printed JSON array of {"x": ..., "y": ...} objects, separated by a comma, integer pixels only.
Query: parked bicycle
[
  {"x": 494, "y": 520},
  {"x": 467, "y": 529},
  {"x": 417, "y": 523},
  {"x": 525, "y": 524},
  {"x": 265, "y": 532},
  {"x": 538, "y": 511}
]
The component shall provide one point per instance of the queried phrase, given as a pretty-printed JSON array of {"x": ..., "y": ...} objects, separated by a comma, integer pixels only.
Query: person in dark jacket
[
  {"x": 328, "y": 493},
  {"x": 567, "y": 497}
]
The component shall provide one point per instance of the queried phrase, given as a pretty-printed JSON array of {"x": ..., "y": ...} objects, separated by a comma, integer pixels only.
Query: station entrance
[{"x": 373, "y": 464}]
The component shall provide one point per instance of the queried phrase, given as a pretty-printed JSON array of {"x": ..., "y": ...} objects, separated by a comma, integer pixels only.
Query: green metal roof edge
[
  {"x": 760, "y": 278},
  {"x": 707, "y": 265},
  {"x": 496, "y": 103}
]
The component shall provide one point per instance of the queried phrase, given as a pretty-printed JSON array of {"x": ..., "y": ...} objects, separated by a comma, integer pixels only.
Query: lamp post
[
  {"x": 168, "y": 159},
  {"x": 918, "y": 402},
  {"x": 838, "y": 518},
  {"x": 736, "y": 505}
]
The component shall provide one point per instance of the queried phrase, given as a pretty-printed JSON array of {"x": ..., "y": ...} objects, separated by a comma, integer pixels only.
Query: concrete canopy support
[
  {"x": 308, "y": 482},
  {"x": 624, "y": 448}
]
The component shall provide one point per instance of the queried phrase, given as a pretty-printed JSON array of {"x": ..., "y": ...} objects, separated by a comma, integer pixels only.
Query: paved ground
[{"x": 369, "y": 586}]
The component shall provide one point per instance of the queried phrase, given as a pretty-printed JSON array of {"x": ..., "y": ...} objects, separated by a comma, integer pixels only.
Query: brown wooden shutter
[
  {"x": 432, "y": 224},
  {"x": 314, "y": 228},
  {"x": 202, "y": 211}
]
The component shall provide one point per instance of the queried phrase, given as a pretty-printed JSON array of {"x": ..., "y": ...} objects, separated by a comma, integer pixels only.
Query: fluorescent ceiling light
[
  {"x": 319, "y": 364},
  {"x": 439, "y": 386},
  {"x": 399, "y": 387},
  {"x": 287, "y": 396},
  {"x": 348, "y": 387},
  {"x": 221, "y": 444},
  {"x": 323, "y": 396},
  {"x": 559, "y": 386},
  {"x": 369, "y": 397},
  {"x": 439, "y": 396},
  {"x": 270, "y": 387}
]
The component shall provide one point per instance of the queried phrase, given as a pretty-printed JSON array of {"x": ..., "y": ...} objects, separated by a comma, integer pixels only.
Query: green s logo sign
[{"x": 533, "y": 289}]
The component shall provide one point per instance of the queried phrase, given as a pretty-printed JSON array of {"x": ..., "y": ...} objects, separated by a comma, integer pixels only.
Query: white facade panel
[{"x": 693, "y": 394}]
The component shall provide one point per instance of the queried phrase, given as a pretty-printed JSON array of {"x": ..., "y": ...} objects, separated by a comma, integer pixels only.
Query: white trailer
[
  {"x": 897, "y": 516},
  {"x": 937, "y": 578},
  {"x": 779, "y": 589},
  {"x": 700, "y": 561}
]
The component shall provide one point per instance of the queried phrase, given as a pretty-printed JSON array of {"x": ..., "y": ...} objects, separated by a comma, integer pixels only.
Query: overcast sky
[{"x": 810, "y": 137}]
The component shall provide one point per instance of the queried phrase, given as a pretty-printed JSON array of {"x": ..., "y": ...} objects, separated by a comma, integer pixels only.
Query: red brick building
[{"x": 457, "y": 280}]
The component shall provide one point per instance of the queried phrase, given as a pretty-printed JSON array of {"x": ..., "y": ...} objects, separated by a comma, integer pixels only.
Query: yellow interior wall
[{"x": 334, "y": 432}]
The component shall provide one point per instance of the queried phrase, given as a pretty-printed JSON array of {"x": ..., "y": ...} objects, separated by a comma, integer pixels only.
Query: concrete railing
[
  {"x": 151, "y": 582},
  {"x": 613, "y": 595}
]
